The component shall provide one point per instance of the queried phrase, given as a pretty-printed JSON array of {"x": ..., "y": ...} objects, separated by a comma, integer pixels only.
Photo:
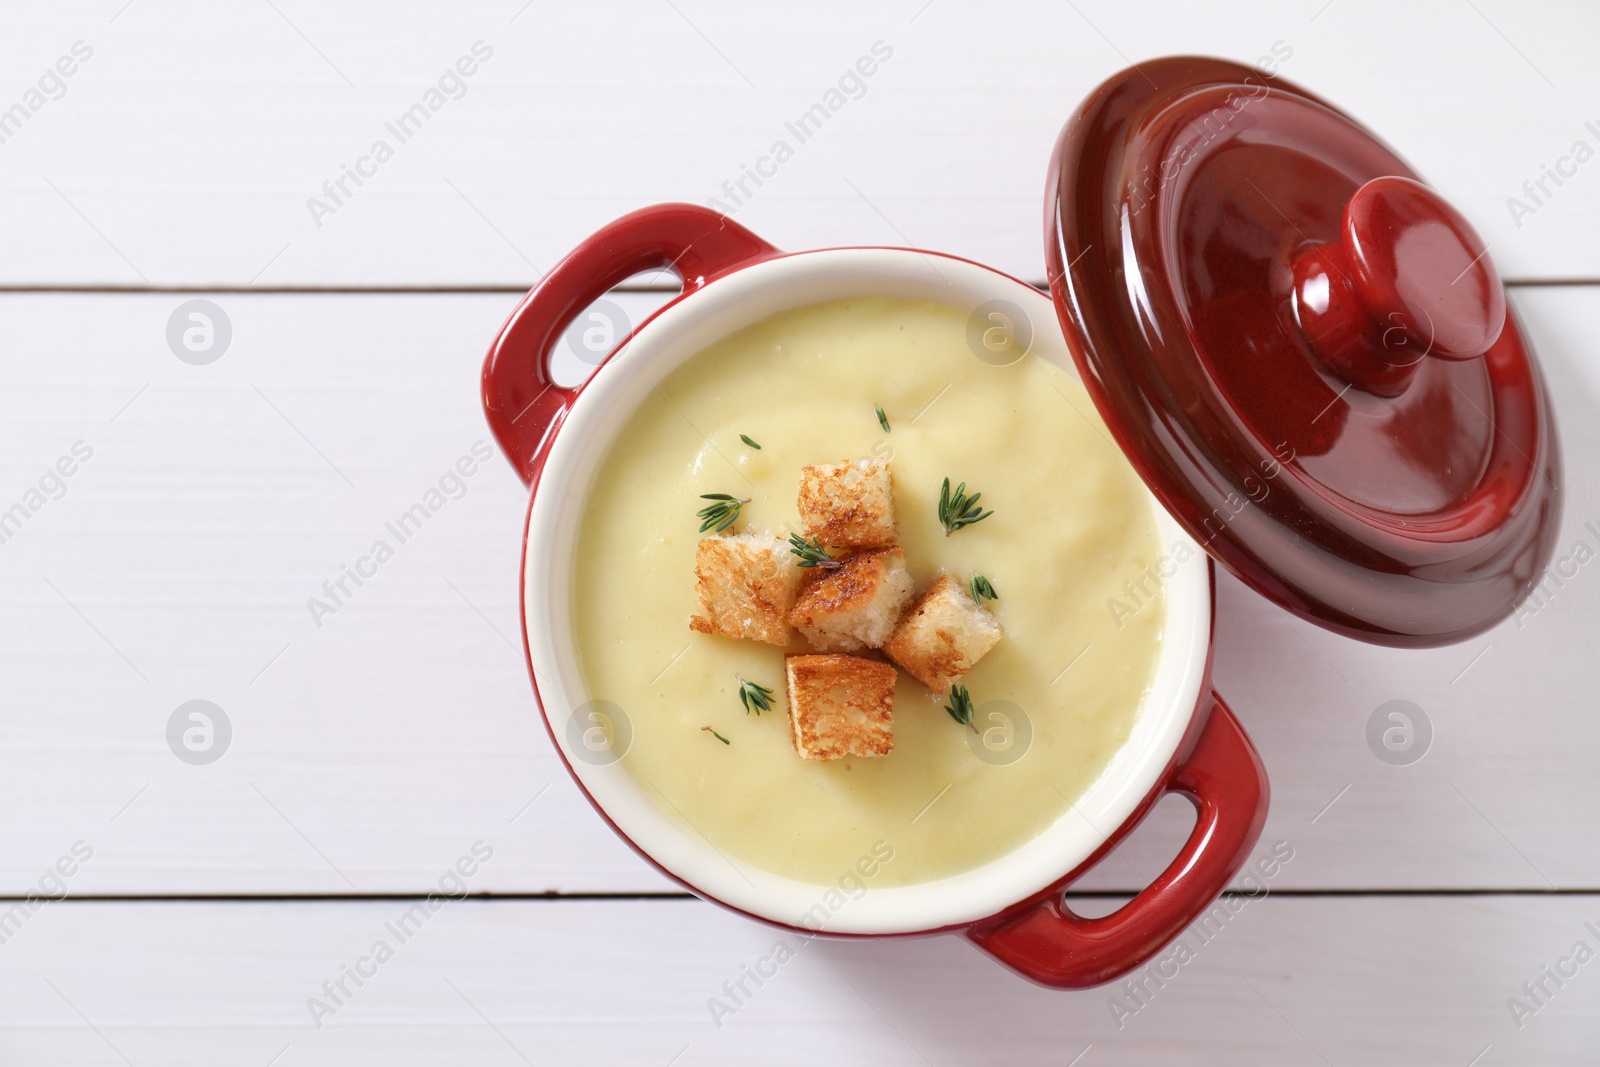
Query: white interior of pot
[{"x": 664, "y": 343}]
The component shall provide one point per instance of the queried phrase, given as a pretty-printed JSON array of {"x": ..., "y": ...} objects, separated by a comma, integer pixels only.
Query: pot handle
[
  {"x": 524, "y": 406},
  {"x": 1225, "y": 781}
]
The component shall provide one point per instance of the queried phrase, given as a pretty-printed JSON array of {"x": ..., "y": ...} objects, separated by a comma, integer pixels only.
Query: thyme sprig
[
  {"x": 721, "y": 512},
  {"x": 753, "y": 696},
  {"x": 746, "y": 439},
  {"x": 958, "y": 509},
  {"x": 811, "y": 553},
  {"x": 960, "y": 707},
  {"x": 981, "y": 590},
  {"x": 713, "y": 733}
]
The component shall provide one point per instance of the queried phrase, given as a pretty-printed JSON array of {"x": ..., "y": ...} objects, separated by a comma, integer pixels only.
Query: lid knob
[{"x": 1408, "y": 278}]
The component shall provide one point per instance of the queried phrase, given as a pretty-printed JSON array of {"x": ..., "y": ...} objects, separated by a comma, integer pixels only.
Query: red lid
[{"x": 1304, "y": 350}]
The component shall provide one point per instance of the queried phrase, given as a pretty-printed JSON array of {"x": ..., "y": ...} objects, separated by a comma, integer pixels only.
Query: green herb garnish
[
  {"x": 981, "y": 590},
  {"x": 958, "y": 509},
  {"x": 713, "y": 733},
  {"x": 756, "y": 698},
  {"x": 883, "y": 420},
  {"x": 811, "y": 553},
  {"x": 721, "y": 512},
  {"x": 749, "y": 442},
  {"x": 960, "y": 707}
]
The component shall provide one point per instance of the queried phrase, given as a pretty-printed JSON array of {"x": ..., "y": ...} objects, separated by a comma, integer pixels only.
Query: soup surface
[{"x": 1072, "y": 523}]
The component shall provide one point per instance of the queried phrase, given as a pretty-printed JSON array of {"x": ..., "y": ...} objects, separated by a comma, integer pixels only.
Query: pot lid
[{"x": 1305, "y": 351}]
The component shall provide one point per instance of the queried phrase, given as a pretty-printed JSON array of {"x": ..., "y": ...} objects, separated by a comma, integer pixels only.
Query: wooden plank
[
  {"x": 187, "y": 149},
  {"x": 366, "y": 752},
  {"x": 1285, "y": 981}
]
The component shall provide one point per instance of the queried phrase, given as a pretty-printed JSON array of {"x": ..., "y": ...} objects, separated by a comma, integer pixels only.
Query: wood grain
[
  {"x": 1378, "y": 981},
  {"x": 371, "y": 752},
  {"x": 367, "y": 749},
  {"x": 185, "y": 152}
]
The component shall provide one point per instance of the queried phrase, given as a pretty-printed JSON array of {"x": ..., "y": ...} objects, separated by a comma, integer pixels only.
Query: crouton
[
  {"x": 746, "y": 586},
  {"x": 942, "y": 636},
  {"x": 848, "y": 505},
  {"x": 840, "y": 706},
  {"x": 856, "y": 604}
]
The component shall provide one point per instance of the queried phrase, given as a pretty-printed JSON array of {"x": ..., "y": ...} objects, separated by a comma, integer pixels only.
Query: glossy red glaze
[
  {"x": 1223, "y": 777},
  {"x": 1230, "y": 258},
  {"x": 524, "y": 406},
  {"x": 1215, "y": 766},
  {"x": 1407, "y": 278}
]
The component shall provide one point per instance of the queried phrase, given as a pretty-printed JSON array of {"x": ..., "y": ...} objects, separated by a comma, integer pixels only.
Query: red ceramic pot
[
  {"x": 1304, "y": 352},
  {"x": 1185, "y": 739}
]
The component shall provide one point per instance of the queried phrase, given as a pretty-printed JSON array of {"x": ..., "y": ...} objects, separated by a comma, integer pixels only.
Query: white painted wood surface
[
  {"x": 185, "y": 150},
  {"x": 1386, "y": 982},
  {"x": 365, "y": 750},
  {"x": 372, "y": 751}
]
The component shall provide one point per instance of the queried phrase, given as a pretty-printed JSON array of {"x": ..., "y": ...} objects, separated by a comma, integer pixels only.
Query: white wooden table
[{"x": 207, "y": 905}]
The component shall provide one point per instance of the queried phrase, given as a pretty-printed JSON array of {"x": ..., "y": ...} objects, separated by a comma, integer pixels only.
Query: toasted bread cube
[
  {"x": 848, "y": 505},
  {"x": 746, "y": 586},
  {"x": 840, "y": 706},
  {"x": 856, "y": 604},
  {"x": 942, "y": 636}
]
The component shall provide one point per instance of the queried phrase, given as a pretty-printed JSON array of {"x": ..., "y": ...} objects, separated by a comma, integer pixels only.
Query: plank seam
[
  {"x": 487, "y": 290},
  {"x": 1093, "y": 894}
]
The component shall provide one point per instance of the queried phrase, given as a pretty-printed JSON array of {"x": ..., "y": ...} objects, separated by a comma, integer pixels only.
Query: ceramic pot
[{"x": 1185, "y": 740}]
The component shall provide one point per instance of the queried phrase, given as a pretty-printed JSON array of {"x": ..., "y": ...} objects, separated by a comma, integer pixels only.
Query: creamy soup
[{"x": 1072, "y": 523}]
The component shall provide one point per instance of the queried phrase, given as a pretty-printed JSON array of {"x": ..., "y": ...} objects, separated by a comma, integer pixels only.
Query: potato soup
[{"x": 1071, "y": 523}]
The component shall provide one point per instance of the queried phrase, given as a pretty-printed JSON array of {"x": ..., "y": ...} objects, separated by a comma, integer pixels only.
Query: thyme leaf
[
  {"x": 960, "y": 707},
  {"x": 957, "y": 509},
  {"x": 721, "y": 512},
  {"x": 811, "y": 553},
  {"x": 754, "y": 697}
]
